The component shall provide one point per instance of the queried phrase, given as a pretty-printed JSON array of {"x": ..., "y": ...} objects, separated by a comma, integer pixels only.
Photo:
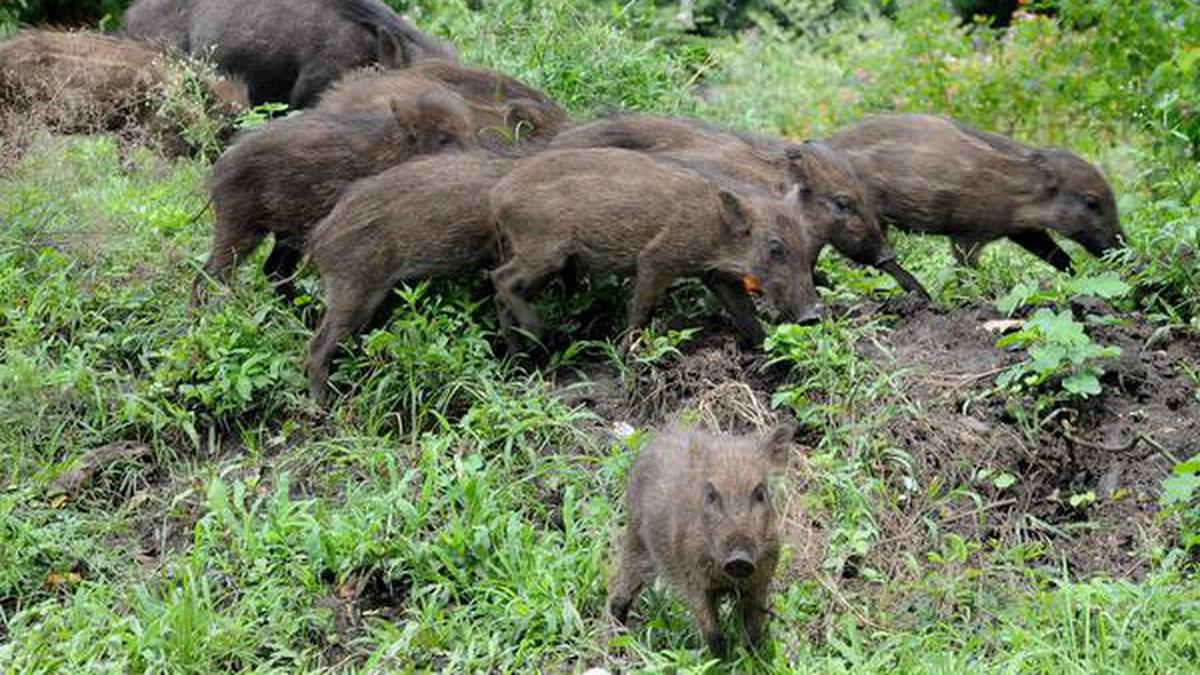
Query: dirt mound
[
  {"x": 1087, "y": 477},
  {"x": 81, "y": 82}
]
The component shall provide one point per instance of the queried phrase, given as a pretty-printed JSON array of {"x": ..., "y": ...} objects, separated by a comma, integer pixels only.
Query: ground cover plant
[{"x": 1005, "y": 483}]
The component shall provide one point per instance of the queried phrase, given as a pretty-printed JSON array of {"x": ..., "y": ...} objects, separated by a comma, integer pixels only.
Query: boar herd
[{"x": 405, "y": 164}]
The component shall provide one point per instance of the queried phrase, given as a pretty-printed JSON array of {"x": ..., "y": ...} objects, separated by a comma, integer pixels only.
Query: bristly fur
[
  {"x": 940, "y": 176},
  {"x": 628, "y": 213},
  {"x": 834, "y": 206},
  {"x": 693, "y": 504},
  {"x": 426, "y": 218}
]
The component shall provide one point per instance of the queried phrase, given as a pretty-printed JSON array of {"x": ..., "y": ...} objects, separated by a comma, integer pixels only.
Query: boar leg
[
  {"x": 231, "y": 245},
  {"x": 755, "y": 601},
  {"x": 347, "y": 310},
  {"x": 648, "y": 286},
  {"x": 1043, "y": 246},
  {"x": 516, "y": 281},
  {"x": 281, "y": 265},
  {"x": 738, "y": 304},
  {"x": 966, "y": 251},
  {"x": 634, "y": 569},
  {"x": 905, "y": 278},
  {"x": 704, "y": 610},
  {"x": 308, "y": 87}
]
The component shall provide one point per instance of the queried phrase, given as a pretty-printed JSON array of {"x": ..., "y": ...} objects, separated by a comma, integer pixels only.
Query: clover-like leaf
[
  {"x": 1083, "y": 383},
  {"x": 1108, "y": 286}
]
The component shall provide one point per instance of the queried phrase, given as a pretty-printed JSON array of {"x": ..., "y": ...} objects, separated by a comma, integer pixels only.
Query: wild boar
[
  {"x": 426, "y": 218},
  {"x": 701, "y": 517},
  {"x": 80, "y": 82},
  {"x": 936, "y": 175},
  {"x": 833, "y": 202},
  {"x": 613, "y": 210},
  {"x": 283, "y": 178},
  {"x": 505, "y": 111},
  {"x": 286, "y": 50}
]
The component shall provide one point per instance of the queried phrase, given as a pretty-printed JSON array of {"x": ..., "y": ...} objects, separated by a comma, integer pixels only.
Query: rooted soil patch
[
  {"x": 1117, "y": 446},
  {"x": 1110, "y": 452}
]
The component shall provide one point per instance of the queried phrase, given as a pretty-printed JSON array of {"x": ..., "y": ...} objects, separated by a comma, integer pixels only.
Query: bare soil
[{"x": 1117, "y": 447}]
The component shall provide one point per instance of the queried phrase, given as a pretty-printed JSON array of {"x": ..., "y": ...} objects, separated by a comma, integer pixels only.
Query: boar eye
[
  {"x": 842, "y": 203},
  {"x": 1092, "y": 202},
  {"x": 710, "y": 494},
  {"x": 760, "y": 493},
  {"x": 777, "y": 250},
  {"x": 444, "y": 139}
]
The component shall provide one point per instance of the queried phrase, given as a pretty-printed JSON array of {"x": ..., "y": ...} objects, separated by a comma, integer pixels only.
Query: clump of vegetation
[{"x": 1058, "y": 345}]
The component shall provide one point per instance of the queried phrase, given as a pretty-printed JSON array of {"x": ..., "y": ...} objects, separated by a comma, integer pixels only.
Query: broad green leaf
[
  {"x": 1108, "y": 285},
  {"x": 1179, "y": 489},
  {"x": 1082, "y": 499},
  {"x": 1083, "y": 383},
  {"x": 1191, "y": 466},
  {"x": 1016, "y": 297},
  {"x": 1047, "y": 357},
  {"x": 1021, "y": 338},
  {"x": 1004, "y": 480}
]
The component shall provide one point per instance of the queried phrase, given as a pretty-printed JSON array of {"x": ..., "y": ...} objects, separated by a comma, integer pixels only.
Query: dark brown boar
[
  {"x": 283, "y": 178},
  {"x": 833, "y": 202},
  {"x": 935, "y": 175},
  {"x": 700, "y": 516},
  {"x": 505, "y": 111},
  {"x": 285, "y": 50},
  {"x": 426, "y": 218},
  {"x": 612, "y": 210},
  {"x": 80, "y": 82}
]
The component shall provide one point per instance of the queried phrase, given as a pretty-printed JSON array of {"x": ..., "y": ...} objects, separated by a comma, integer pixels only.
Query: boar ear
[
  {"x": 778, "y": 444},
  {"x": 389, "y": 49},
  {"x": 734, "y": 214},
  {"x": 520, "y": 115},
  {"x": 797, "y": 160},
  {"x": 1040, "y": 160},
  {"x": 797, "y": 156}
]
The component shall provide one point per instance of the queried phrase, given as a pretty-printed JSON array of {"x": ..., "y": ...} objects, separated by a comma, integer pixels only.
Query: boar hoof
[
  {"x": 716, "y": 645},
  {"x": 619, "y": 611}
]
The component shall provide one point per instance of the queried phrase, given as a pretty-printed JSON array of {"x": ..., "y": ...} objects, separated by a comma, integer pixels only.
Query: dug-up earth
[{"x": 1087, "y": 476}]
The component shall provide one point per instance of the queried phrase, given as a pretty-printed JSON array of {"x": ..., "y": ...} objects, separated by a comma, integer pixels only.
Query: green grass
[{"x": 454, "y": 513}]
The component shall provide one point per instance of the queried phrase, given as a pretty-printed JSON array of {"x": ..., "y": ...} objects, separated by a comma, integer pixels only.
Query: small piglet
[
  {"x": 833, "y": 204},
  {"x": 701, "y": 517},
  {"x": 624, "y": 212},
  {"x": 939, "y": 176}
]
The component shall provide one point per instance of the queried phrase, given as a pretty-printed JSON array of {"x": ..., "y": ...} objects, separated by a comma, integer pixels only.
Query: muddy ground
[{"x": 1118, "y": 446}]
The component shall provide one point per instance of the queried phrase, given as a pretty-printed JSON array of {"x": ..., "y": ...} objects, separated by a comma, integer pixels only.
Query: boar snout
[
  {"x": 810, "y": 316},
  {"x": 803, "y": 307},
  {"x": 739, "y": 564},
  {"x": 1099, "y": 244}
]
